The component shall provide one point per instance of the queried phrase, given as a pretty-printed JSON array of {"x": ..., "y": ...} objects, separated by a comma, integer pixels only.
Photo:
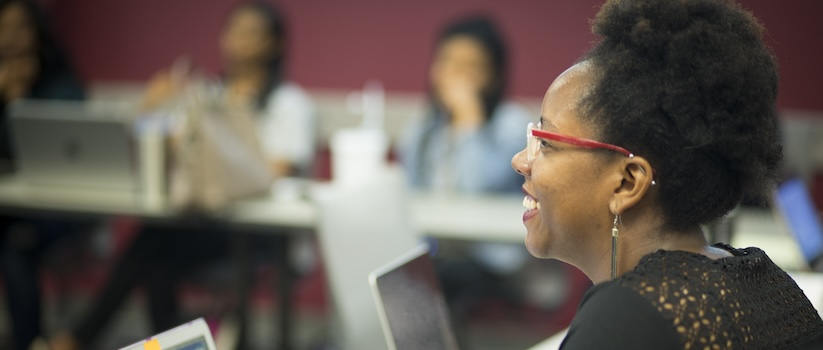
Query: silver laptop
[
  {"x": 70, "y": 144},
  {"x": 410, "y": 304}
]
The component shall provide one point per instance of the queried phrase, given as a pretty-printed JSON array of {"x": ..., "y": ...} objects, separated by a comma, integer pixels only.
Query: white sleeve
[{"x": 287, "y": 126}]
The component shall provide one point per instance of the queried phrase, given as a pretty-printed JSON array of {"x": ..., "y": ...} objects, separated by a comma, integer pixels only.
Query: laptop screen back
[
  {"x": 798, "y": 211},
  {"x": 72, "y": 145},
  {"x": 411, "y": 304},
  {"x": 194, "y": 335}
]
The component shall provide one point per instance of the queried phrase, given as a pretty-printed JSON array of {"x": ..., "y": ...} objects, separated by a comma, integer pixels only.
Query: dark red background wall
[{"x": 341, "y": 44}]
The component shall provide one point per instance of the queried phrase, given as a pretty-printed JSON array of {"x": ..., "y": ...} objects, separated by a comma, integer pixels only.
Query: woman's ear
[{"x": 637, "y": 179}]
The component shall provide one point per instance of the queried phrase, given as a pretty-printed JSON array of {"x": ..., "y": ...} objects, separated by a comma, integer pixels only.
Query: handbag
[{"x": 217, "y": 156}]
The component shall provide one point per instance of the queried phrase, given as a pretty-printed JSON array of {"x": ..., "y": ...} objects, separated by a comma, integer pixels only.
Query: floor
[
  {"x": 494, "y": 324},
  {"x": 312, "y": 329}
]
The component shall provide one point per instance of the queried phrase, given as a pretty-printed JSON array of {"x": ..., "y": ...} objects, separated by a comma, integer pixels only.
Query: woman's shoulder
[
  {"x": 613, "y": 316},
  {"x": 290, "y": 88},
  {"x": 687, "y": 273},
  {"x": 688, "y": 300},
  {"x": 725, "y": 301},
  {"x": 289, "y": 94}
]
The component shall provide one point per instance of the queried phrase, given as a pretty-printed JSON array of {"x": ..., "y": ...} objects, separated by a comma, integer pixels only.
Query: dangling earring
[{"x": 614, "y": 246}]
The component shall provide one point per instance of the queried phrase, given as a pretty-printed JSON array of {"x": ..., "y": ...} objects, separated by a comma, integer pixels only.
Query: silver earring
[{"x": 614, "y": 246}]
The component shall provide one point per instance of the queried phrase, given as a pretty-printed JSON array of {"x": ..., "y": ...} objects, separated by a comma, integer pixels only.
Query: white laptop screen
[{"x": 198, "y": 343}]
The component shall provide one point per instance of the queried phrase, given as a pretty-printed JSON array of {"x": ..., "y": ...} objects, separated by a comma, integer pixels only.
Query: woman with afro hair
[{"x": 665, "y": 125}]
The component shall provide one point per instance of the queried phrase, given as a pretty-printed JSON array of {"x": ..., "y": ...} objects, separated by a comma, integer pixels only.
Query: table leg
[
  {"x": 285, "y": 292},
  {"x": 241, "y": 251}
]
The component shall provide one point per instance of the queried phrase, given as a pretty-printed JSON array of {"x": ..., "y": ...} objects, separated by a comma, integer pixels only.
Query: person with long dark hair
[
  {"x": 253, "y": 47},
  {"x": 470, "y": 127},
  {"x": 32, "y": 66},
  {"x": 461, "y": 147},
  {"x": 32, "y": 63},
  {"x": 665, "y": 125}
]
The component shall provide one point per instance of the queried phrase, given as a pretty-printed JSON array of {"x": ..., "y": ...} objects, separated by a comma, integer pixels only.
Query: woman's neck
[
  {"x": 245, "y": 82},
  {"x": 639, "y": 239}
]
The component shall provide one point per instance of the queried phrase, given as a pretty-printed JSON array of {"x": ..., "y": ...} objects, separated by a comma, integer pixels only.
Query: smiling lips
[{"x": 532, "y": 206}]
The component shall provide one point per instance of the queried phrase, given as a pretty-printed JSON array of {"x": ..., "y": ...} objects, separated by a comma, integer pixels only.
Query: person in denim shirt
[{"x": 470, "y": 130}]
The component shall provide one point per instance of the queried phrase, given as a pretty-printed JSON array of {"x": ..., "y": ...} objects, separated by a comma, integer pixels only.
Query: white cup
[{"x": 358, "y": 155}]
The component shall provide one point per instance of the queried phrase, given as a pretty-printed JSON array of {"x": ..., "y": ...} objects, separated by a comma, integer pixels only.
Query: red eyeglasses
[{"x": 533, "y": 146}]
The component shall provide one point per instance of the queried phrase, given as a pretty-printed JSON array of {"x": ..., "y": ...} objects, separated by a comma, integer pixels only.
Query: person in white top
[
  {"x": 253, "y": 47},
  {"x": 287, "y": 129}
]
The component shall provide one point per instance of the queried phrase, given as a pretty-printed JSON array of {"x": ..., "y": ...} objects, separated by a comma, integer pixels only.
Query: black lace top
[{"x": 681, "y": 300}]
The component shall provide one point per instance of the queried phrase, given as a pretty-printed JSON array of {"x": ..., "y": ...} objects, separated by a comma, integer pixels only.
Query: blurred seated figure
[
  {"x": 253, "y": 46},
  {"x": 461, "y": 146},
  {"x": 470, "y": 128},
  {"x": 32, "y": 65}
]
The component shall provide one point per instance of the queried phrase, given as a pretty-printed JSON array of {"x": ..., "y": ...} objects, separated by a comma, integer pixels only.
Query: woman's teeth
[{"x": 530, "y": 204}]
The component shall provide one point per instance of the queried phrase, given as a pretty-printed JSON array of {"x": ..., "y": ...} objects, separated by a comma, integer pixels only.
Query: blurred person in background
[
  {"x": 460, "y": 146},
  {"x": 470, "y": 127},
  {"x": 253, "y": 46},
  {"x": 32, "y": 66}
]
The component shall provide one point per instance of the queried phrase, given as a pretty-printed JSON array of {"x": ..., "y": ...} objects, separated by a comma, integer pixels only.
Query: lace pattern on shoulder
[{"x": 740, "y": 302}]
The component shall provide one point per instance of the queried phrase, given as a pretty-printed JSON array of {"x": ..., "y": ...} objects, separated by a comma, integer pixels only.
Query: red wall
[{"x": 341, "y": 44}]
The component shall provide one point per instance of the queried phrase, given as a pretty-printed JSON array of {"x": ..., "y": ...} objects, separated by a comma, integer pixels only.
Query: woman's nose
[{"x": 520, "y": 164}]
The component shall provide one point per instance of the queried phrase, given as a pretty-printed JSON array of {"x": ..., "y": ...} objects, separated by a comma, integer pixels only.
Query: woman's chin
[{"x": 536, "y": 245}]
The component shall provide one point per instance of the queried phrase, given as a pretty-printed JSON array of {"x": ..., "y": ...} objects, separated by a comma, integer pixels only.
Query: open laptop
[
  {"x": 410, "y": 304},
  {"x": 69, "y": 144},
  {"x": 194, "y": 335}
]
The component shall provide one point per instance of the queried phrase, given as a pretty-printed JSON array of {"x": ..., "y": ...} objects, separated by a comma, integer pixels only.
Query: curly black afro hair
[{"x": 690, "y": 86}]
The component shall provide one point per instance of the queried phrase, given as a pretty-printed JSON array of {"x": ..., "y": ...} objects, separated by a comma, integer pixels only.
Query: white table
[
  {"x": 475, "y": 218},
  {"x": 287, "y": 205},
  {"x": 484, "y": 218}
]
